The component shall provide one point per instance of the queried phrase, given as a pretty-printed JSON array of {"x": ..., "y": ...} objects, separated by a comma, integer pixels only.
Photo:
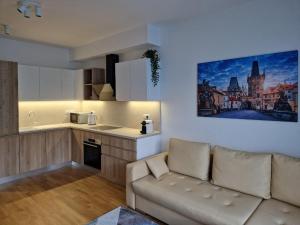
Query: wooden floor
[{"x": 68, "y": 196}]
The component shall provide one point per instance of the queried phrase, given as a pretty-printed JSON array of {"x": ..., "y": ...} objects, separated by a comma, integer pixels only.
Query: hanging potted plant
[{"x": 153, "y": 55}]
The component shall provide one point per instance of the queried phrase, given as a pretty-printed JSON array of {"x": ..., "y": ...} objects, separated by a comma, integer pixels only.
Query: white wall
[
  {"x": 137, "y": 37},
  {"x": 257, "y": 27},
  {"x": 30, "y": 53}
]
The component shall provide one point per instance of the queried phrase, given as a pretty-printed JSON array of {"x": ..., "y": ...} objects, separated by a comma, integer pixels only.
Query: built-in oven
[{"x": 92, "y": 154}]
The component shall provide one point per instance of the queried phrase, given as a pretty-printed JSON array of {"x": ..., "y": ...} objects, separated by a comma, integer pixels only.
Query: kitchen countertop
[{"x": 123, "y": 132}]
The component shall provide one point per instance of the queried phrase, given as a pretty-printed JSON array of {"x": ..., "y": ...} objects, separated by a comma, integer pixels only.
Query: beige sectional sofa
[{"x": 215, "y": 187}]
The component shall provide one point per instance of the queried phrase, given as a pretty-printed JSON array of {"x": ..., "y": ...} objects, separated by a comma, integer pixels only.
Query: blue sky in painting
[{"x": 279, "y": 67}]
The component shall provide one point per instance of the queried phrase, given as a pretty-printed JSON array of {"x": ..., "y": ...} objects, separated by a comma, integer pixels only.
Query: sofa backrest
[
  {"x": 286, "y": 179},
  {"x": 242, "y": 171},
  {"x": 189, "y": 158}
]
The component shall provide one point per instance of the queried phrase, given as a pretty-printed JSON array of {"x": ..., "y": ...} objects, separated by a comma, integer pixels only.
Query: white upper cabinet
[
  {"x": 29, "y": 83},
  {"x": 42, "y": 83},
  {"x": 78, "y": 84},
  {"x": 133, "y": 81},
  {"x": 68, "y": 84},
  {"x": 50, "y": 84},
  {"x": 123, "y": 82}
]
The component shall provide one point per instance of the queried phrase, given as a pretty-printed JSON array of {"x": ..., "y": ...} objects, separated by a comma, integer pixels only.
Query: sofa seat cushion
[
  {"x": 196, "y": 199},
  {"x": 274, "y": 212}
]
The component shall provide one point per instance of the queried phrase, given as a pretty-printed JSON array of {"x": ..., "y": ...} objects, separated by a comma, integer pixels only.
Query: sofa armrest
[{"x": 134, "y": 172}]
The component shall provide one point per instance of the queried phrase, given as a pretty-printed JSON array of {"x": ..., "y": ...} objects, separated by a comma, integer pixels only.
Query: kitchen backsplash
[{"x": 127, "y": 114}]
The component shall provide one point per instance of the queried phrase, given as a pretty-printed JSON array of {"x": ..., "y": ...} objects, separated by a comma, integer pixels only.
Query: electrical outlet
[{"x": 30, "y": 114}]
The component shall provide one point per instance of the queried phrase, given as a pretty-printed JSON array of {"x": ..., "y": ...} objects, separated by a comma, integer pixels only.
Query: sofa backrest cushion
[
  {"x": 286, "y": 179},
  {"x": 242, "y": 171},
  {"x": 189, "y": 158}
]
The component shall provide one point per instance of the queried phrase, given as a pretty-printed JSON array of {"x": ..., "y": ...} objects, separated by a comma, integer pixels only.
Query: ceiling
[{"x": 72, "y": 23}]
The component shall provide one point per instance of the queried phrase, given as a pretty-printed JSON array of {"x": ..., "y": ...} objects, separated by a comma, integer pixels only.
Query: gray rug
[{"x": 122, "y": 216}]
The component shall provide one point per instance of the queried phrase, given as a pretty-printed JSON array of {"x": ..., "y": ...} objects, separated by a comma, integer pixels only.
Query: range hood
[{"x": 105, "y": 92}]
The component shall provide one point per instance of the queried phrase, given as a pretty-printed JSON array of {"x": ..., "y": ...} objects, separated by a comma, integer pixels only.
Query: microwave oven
[{"x": 79, "y": 117}]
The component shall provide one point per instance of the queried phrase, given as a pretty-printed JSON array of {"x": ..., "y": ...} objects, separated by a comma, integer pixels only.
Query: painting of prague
[{"x": 263, "y": 87}]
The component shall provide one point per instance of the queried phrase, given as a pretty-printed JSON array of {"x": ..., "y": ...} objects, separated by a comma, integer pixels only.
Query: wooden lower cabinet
[
  {"x": 113, "y": 169},
  {"x": 121, "y": 143},
  {"x": 9, "y": 156},
  {"x": 32, "y": 151},
  {"x": 127, "y": 155},
  {"x": 116, "y": 153},
  {"x": 58, "y": 147},
  {"x": 77, "y": 146}
]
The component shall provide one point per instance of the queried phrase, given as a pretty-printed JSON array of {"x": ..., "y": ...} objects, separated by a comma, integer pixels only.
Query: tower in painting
[
  {"x": 256, "y": 82},
  {"x": 234, "y": 88}
]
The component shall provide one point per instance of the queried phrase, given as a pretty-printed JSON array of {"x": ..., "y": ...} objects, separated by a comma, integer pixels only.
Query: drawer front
[
  {"x": 118, "y": 153},
  {"x": 105, "y": 140},
  {"x": 119, "y": 143}
]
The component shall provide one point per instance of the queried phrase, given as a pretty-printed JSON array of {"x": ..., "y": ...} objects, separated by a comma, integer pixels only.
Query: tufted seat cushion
[
  {"x": 274, "y": 212},
  {"x": 196, "y": 199}
]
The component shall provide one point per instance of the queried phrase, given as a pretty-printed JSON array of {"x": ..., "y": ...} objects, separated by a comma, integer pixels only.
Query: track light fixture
[{"x": 25, "y": 7}]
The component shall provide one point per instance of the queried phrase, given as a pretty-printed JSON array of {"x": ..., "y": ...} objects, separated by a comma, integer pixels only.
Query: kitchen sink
[{"x": 105, "y": 127}]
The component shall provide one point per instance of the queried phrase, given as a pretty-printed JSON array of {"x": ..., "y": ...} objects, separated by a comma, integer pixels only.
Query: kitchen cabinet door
[
  {"x": 9, "y": 108},
  {"x": 138, "y": 79},
  {"x": 29, "y": 83},
  {"x": 113, "y": 169},
  {"x": 32, "y": 151},
  {"x": 68, "y": 84},
  {"x": 50, "y": 84},
  {"x": 9, "y": 156},
  {"x": 58, "y": 146},
  {"x": 134, "y": 81},
  {"x": 78, "y": 77},
  {"x": 123, "y": 82},
  {"x": 77, "y": 146}
]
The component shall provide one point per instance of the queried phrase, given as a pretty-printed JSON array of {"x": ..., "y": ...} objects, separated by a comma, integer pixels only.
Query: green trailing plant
[{"x": 153, "y": 55}]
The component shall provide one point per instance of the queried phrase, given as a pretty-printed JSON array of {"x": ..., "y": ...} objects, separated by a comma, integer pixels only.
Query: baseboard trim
[{"x": 35, "y": 172}]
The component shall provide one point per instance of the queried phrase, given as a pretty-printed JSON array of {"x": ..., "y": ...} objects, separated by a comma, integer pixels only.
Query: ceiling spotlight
[
  {"x": 25, "y": 7},
  {"x": 38, "y": 11},
  {"x": 27, "y": 12},
  {"x": 21, "y": 8},
  {"x": 5, "y": 29}
]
